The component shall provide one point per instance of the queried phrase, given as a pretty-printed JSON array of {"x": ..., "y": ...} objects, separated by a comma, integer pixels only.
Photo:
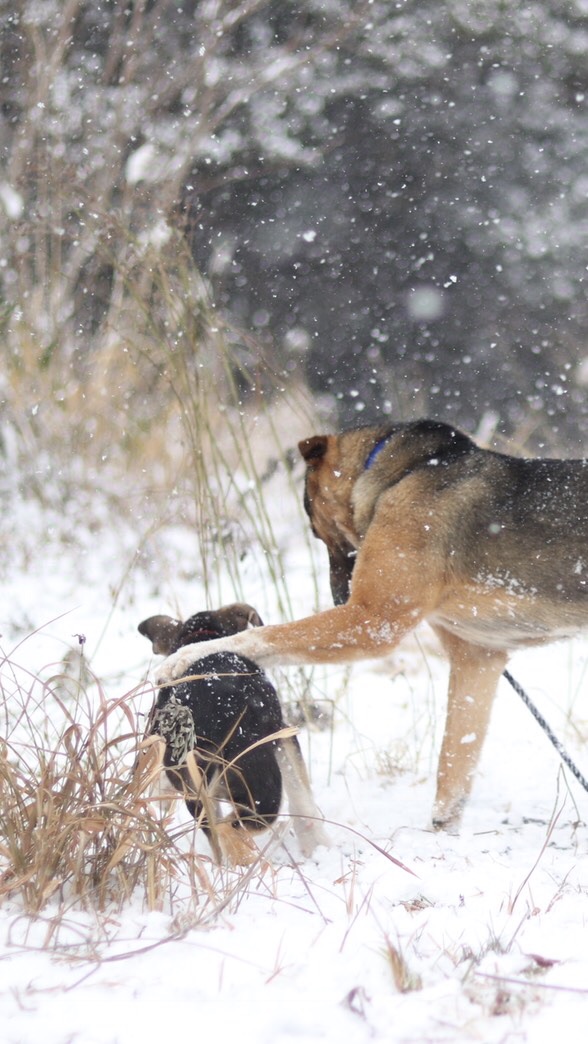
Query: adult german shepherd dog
[
  {"x": 420, "y": 523},
  {"x": 227, "y": 717}
]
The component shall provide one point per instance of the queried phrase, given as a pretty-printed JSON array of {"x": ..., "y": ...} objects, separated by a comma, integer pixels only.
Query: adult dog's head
[
  {"x": 168, "y": 635},
  {"x": 333, "y": 463},
  {"x": 347, "y": 473}
]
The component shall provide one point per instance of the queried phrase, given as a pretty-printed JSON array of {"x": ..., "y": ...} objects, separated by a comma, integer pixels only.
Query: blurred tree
[
  {"x": 391, "y": 196},
  {"x": 433, "y": 259}
]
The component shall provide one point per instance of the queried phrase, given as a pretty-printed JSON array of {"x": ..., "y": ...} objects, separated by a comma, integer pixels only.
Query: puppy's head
[{"x": 168, "y": 635}]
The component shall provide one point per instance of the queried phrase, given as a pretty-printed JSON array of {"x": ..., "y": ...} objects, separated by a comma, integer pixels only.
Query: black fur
[{"x": 231, "y": 705}]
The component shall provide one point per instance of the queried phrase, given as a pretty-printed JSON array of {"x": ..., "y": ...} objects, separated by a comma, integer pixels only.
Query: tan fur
[
  {"x": 237, "y": 847},
  {"x": 491, "y": 550},
  {"x": 148, "y": 776},
  {"x": 305, "y": 816}
]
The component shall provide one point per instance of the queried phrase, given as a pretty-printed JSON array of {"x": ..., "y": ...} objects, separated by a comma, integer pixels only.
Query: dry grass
[
  {"x": 166, "y": 411},
  {"x": 74, "y": 822},
  {"x": 81, "y": 823},
  {"x": 405, "y": 980},
  {"x": 166, "y": 416},
  {"x": 78, "y": 824}
]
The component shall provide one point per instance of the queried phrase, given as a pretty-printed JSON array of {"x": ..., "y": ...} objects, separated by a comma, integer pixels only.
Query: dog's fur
[
  {"x": 422, "y": 524},
  {"x": 224, "y": 714}
]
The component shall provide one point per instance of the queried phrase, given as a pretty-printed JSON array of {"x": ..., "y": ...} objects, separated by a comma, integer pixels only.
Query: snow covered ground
[{"x": 486, "y": 940}]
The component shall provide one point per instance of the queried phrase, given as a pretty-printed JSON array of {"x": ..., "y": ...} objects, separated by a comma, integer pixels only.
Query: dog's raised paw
[{"x": 168, "y": 671}]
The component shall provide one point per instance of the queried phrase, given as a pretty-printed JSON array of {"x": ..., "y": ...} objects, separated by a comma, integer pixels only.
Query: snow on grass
[{"x": 485, "y": 940}]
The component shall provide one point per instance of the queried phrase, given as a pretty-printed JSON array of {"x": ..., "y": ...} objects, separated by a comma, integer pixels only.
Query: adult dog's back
[{"x": 504, "y": 539}]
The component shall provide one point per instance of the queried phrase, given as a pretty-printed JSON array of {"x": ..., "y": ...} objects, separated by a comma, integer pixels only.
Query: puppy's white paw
[{"x": 311, "y": 835}]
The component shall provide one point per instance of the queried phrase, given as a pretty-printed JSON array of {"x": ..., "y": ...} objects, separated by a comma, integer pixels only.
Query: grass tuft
[{"x": 76, "y": 822}]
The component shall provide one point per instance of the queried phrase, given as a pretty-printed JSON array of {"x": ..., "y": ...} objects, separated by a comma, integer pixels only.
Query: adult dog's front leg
[
  {"x": 474, "y": 676},
  {"x": 396, "y": 582},
  {"x": 345, "y": 634}
]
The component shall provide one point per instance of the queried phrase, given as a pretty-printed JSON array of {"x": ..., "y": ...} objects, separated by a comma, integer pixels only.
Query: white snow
[
  {"x": 139, "y": 163},
  {"x": 425, "y": 303},
  {"x": 486, "y": 940},
  {"x": 11, "y": 201}
]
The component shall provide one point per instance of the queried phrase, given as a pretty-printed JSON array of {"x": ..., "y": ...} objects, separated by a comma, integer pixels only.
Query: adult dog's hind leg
[{"x": 474, "y": 676}]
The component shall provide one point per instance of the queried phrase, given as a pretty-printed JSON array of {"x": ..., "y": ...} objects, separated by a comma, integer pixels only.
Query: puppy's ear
[
  {"x": 237, "y": 617},
  {"x": 313, "y": 448},
  {"x": 163, "y": 632},
  {"x": 253, "y": 617}
]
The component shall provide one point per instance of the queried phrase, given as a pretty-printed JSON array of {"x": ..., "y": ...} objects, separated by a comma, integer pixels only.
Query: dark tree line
[{"x": 391, "y": 197}]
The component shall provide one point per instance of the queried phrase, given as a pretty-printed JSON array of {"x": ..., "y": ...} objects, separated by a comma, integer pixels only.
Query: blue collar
[{"x": 375, "y": 450}]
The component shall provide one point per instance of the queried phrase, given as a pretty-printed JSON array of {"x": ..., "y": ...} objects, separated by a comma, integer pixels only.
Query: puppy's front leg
[
  {"x": 474, "y": 676},
  {"x": 306, "y": 818}
]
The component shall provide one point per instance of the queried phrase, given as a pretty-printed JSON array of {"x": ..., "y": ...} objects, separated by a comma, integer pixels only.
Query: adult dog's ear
[
  {"x": 163, "y": 632},
  {"x": 313, "y": 448}
]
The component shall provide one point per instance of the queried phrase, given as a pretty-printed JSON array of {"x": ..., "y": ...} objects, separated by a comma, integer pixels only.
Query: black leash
[{"x": 565, "y": 757}]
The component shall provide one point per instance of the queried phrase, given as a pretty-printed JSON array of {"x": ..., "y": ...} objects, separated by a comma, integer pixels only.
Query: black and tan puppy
[
  {"x": 226, "y": 713},
  {"x": 422, "y": 524}
]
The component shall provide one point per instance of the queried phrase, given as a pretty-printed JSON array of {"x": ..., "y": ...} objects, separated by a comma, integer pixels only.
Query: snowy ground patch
[{"x": 485, "y": 939}]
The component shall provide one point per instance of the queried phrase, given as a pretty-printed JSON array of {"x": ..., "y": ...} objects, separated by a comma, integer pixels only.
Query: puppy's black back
[
  {"x": 233, "y": 706},
  {"x": 222, "y": 689}
]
